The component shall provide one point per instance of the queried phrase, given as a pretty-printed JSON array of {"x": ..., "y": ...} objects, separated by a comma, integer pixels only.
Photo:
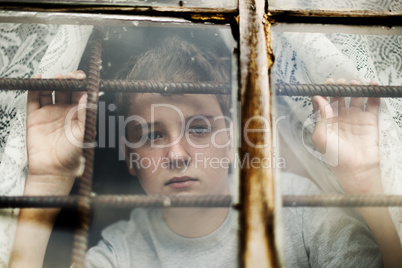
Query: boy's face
[{"x": 180, "y": 144}]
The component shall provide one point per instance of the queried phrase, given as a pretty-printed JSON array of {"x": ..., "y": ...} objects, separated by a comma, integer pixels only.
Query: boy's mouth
[{"x": 180, "y": 182}]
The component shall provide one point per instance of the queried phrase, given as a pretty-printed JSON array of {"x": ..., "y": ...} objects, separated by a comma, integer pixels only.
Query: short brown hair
[{"x": 176, "y": 61}]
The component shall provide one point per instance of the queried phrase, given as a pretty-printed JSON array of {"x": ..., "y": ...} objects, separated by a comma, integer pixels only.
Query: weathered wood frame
[{"x": 252, "y": 22}]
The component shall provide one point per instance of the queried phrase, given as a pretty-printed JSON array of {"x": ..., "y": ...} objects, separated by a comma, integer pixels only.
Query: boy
[
  {"x": 165, "y": 148},
  {"x": 174, "y": 131}
]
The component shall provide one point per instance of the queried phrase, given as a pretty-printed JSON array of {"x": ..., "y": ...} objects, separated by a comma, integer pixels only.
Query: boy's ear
[{"x": 126, "y": 152}]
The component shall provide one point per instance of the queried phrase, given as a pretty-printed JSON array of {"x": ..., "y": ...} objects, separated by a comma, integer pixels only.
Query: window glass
[
  {"x": 327, "y": 143},
  {"x": 387, "y": 5},
  {"x": 176, "y": 144},
  {"x": 147, "y": 143}
]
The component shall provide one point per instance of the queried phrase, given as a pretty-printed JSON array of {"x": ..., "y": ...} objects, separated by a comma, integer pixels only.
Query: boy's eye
[
  {"x": 154, "y": 135},
  {"x": 198, "y": 130}
]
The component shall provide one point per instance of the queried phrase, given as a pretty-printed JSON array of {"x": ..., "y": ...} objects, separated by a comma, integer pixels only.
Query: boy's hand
[
  {"x": 53, "y": 159},
  {"x": 350, "y": 134}
]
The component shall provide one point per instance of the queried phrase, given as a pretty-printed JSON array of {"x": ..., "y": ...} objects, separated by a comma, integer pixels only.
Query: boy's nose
[{"x": 178, "y": 154}]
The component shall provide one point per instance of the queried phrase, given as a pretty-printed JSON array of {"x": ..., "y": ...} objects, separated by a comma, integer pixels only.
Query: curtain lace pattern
[
  {"x": 27, "y": 49},
  {"x": 50, "y": 49},
  {"x": 322, "y": 56}
]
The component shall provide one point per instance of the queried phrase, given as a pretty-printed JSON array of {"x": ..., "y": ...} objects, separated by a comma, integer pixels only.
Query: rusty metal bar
[
  {"x": 342, "y": 201},
  {"x": 338, "y": 90},
  {"x": 257, "y": 195},
  {"x": 164, "y": 201},
  {"x": 85, "y": 181},
  {"x": 43, "y": 84},
  {"x": 117, "y": 201},
  {"x": 115, "y": 85},
  {"x": 199, "y": 87},
  {"x": 133, "y": 201},
  {"x": 165, "y": 87},
  {"x": 37, "y": 201}
]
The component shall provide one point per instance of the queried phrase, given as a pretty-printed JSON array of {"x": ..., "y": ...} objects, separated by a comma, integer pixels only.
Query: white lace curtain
[
  {"x": 314, "y": 57},
  {"x": 322, "y": 56},
  {"x": 48, "y": 49},
  {"x": 27, "y": 49}
]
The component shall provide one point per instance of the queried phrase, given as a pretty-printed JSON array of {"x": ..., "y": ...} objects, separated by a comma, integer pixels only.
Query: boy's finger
[
  {"x": 33, "y": 97},
  {"x": 323, "y": 107},
  {"x": 45, "y": 98},
  {"x": 80, "y": 74},
  {"x": 76, "y": 97},
  {"x": 33, "y": 101},
  {"x": 340, "y": 100},
  {"x": 373, "y": 105},
  {"x": 324, "y": 116},
  {"x": 69, "y": 75},
  {"x": 355, "y": 82},
  {"x": 357, "y": 102},
  {"x": 341, "y": 81},
  {"x": 73, "y": 97},
  {"x": 62, "y": 97},
  {"x": 82, "y": 109},
  {"x": 315, "y": 106},
  {"x": 58, "y": 76}
]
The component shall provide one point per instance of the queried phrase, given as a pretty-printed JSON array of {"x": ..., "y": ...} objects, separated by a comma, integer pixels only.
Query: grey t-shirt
[
  {"x": 146, "y": 241},
  {"x": 314, "y": 237},
  {"x": 324, "y": 236}
]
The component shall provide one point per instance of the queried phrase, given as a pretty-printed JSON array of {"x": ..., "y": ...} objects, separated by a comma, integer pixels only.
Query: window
[{"x": 248, "y": 34}]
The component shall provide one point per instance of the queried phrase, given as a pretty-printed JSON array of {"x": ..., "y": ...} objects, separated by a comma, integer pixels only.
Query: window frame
[{"x": 251, "y": 22}]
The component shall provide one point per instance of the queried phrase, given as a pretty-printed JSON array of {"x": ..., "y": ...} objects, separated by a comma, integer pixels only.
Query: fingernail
[
  {"x": 81, "y": 76},
  {"x": 341, "y": 81}
]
